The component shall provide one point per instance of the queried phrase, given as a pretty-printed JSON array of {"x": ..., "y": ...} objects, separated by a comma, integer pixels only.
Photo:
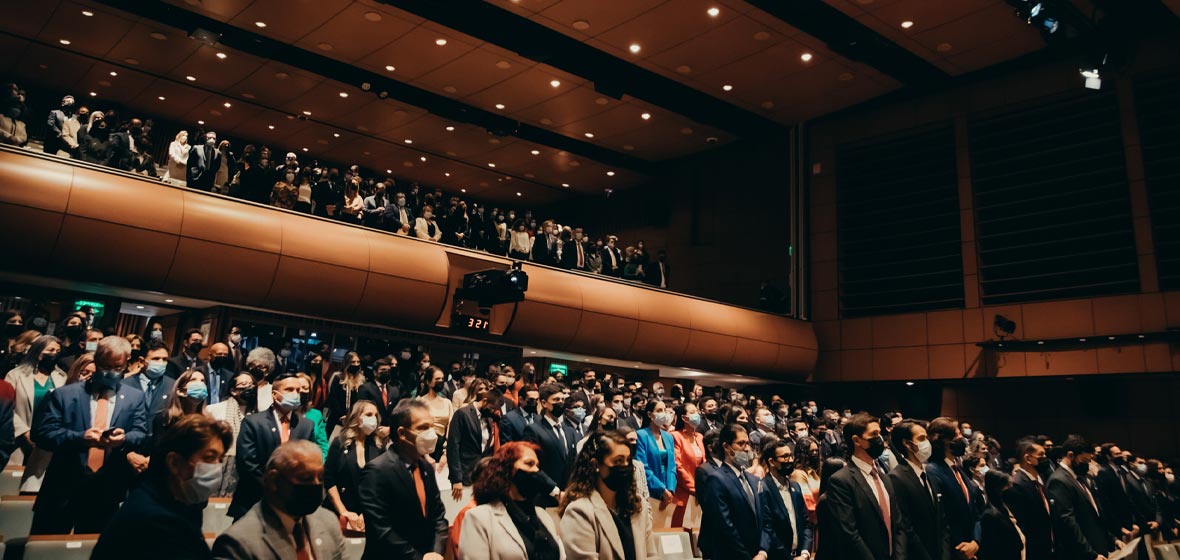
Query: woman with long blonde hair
[
  {"x": 342, "y": 391},
  {"x": 358, "y": 443},
  {"x": 177, "y": 166}
]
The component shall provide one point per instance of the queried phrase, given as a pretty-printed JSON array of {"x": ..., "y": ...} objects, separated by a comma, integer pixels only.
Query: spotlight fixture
[
  {"x": 222, "y": 55},
  {"x": 634, "y": 48},
  {"x": 1003, "y": 326},
  {"x": 713, "y": 12}
]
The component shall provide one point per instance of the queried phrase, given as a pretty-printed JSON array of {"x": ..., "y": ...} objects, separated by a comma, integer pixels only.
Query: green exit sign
[
  {"x": 559, "y": 369},
  {"x": 98, "y": 307}
]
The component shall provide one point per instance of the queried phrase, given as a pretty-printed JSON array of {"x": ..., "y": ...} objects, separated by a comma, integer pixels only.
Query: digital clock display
[{"x": 475, "y": 323}]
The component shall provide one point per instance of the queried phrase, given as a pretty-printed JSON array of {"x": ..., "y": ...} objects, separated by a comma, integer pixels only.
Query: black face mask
[
  {"x": 619, "y": 478},
  {"x": 304, "y": 499},
  {"x": 13, "y": 331},
  {"x": 787, "y": 468},
  {"x": 958, "y": 447},
  {"x": 103, "y": 380},
  {"x": 256, "y": 373},
  {"x": 382, "y": 376},
  {"x": 353, "y": 369},
  {"x": 195, "y": 348},
  {"x": 247, "y": 395},
  {"x": 222, "y": 362},
  {"x": 138, "y": 354},
  {"x": 74, "y": 333},
  {"x": 1080, "y": 469},
  {"x": 437, "y": 387},
  {"x": 47, "y": 363},
  {"x": 1118, "y": 461},
  {"x": 611, "y": 425},
  {"x": 530, "y": 484},
  {"x": 876, "y": 447},
  {"x": 530, "y": 405}
]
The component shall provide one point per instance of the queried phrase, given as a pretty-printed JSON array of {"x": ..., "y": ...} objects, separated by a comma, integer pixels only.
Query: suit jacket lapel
[
  {"x": 867, "y": 493},
  {"x": 608, "y": 522},
  {"x": 269, "y": 418},
  {"x": 500, "y": 512},
  {"x": 273, "y": 534},
  {"x": 120, "y": 407}
]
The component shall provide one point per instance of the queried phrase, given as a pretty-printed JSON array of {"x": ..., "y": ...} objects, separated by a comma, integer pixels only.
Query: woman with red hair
[{"x": 506, "y": 525}]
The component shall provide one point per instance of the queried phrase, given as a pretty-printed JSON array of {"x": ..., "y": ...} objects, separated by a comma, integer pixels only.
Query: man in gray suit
[
  {"x": 203, "y": 162},
  {"x": 288, "y": 522}
]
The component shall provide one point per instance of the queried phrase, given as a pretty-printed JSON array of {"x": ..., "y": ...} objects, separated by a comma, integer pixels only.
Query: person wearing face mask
[
  {"x": 91, "y": 336},
  {"x": 234, "y": 340},
  {"x": 220, "y": 372},
  {"x": 1000, "y": 535},
  {"x": 1112, "y": 492},
  {"x": 1027, "y": 499},
  {"x": 442, "y": 410},
  {"x": 261, "y": 433},
  {"x": 37, "y": 375},
  {"x": 915, "y": 496},
  {"x": 861, "y": 502},
  {"x": 189, "y": 398},
  {"x": 513, "y": 425},
  {"x": 398, "y": 217},
  {"x": 1078, "y": 529},
  {"x": 657, "y": 453},
  {"x": 506, "y": 525},
  {"x": 241, "y": 402},
  {"x": 731, "y": 501},
  {"x": 73, "y": 338},
  {"x": 425, "y": 227},
  {"x": 343, "y": 389},
  {"x": 288, "y": 521},
  {"x": 381, "y": 390},
  {"x": 57, "y": 137},
  {"x": 189, "y": 357},
  {"x": 203, "y": 162},
  {"x": 782, "y": 505},
  {"x": 948, "y": 477},
  {"x": 163, "y": 513},
  {"x": 1144, "y": 506},
  {"x": 604, "y": 420},
  {"x": 554, "y": 438},
  {"x": 312, "y": 414},
  {"x": 689, "y": 445},
  {"x": 158, "y": 390},
  {"x": 358, "y": 443},
  {"x": 575, "y": 413},
  {"x": 399, "y": 495},
  {"x": 763, "y": 430},
  {"x": 602, "y": 514},
  {"x": 89, "y": 427},
  {"x": 473, "y": 433}
]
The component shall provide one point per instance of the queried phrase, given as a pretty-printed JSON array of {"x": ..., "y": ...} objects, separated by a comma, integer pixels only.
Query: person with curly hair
[
  {"x": 506, "y": 525},
  {"x": 602, "y": 515}
]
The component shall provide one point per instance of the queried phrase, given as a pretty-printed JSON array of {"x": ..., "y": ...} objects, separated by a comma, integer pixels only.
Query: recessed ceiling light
[
  {"x": 93, "y": 94},
  {"x": 555, "y": 83},
  {"x": 260, "y": 24},
  {"x": 907, "y": 24},
  {"x": 305, "y": 149},
  {"x": 87, "y": 13},
  {"x": 491, "y": 165},
  {"x": 423, "y": 158},
  {"x": 566, "y": 185},
  {"x": 450, "y": 128},
  {"x": 157, "y": 36},
  {"x": 846, "y": 76},
  {"x": 222, "y": 55},
  {"x": 503, "y": 64},
  {"x": 200, "y": 122},
  {"x": 518, "y": 194},
  {"x": 307, "y": 113},
  {"x": 727, "y": 87},
  {"x": 610, "y": 173},
  {"x": 447, "y": 174},
  {"x": 601, "y": 101},
  {"x": 161, "y": 98},
  {"x": 389, "y": 171},
  {"x": 114, "y": 73},
  {"x": 335, "y": 135},
  {"x": 536, "y": 152},
  {"x": 389, "y": 68},
  {"x": 408, "y": 141},
  {"x": 645, "y": 116},
  {"x": 634, "y": 48},
  {"x": 227, "y": 105},
  {"x": 344, "y": 94},
  {"x": 500, "y": 106},
  {"x": 440, "y": 42},
  {"x": 713, "y": 12},
  {"x": 589, "y": 135},
  {"x": 581, "y": 25},
  {"x": 169, "y": 300},
  {"x": 64, "y": 41},
  {"x": 372, "y": 16},
  {"x": 191, "y": 78},
  {"x": 805, "y": 57},
  {"x": 575, "y": 163}
]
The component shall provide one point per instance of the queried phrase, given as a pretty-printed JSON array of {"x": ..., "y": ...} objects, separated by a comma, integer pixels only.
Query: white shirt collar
[{"x": 866, "y": 468}]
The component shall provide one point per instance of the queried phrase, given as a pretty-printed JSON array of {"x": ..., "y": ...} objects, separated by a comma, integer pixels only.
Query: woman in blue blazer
[{"x": 656, "y": 450}]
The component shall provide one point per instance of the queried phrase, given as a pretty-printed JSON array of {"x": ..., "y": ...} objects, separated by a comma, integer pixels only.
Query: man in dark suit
[
  {"x": 1028, "y": 502},
  {"x": 705, "y": 475},
  {"x": 261, "y": 433},
  {"x": 867, "y": 520},
  {"x": 948, "y": 479},
  {"x": 545, "y": 245},
  {"x": 219, "y": 375},
  {"x": 659, "y": 271},
  {"x": 89, "y": 427},
  {"x": 732, "y": 502},
  {"x": 1140, "y": 491},
  {"x": 473, "y": 433},
  {"x": 573, "y": 253},
  {"x": 203, "y": 162},
  {"x": 513, "y": 424},
  {"x": 612, "y": 259},
  {"x": 157, "y": 390},
  {"x": 555, "y": 438},
  {"x": 399, "y": 496},
  {"x": 380, "y": 390},
  {"x": 1078, "y": 530},
  {"x": 123, "y": 145},
  {"x": 1111, "y": 491},
  {"x": 915, "y": 497},
  {"x": 784, "y": 514},
  {"x": 189, "y": 356}
]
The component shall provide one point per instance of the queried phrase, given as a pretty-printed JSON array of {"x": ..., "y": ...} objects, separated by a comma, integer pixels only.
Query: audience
[
  {"x": 602, "y": 514},
  {"x": 506, "y": 525}
]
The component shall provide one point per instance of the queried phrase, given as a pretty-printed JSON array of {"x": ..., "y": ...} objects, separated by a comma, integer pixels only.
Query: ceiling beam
[
  {"x": 267, "y": 48},
  {"x": 611, "y": 75},
  {"x": 853, "y": 40}
]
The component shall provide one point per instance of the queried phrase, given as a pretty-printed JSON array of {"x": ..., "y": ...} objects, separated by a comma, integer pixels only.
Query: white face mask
[
  {"x": 369, "y": 424},
  {"x": 1170, "y": 478},
  {"x": 426, "y": 441},
  {"x": 983, "y": 471},
  {"x": 925, "y": 448},
  {"x": 801, "y": 433}
]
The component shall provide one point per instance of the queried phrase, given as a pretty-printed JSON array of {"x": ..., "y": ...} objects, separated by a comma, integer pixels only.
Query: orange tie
[
  {"x": 284, "y": 428},
  {"x": 959, "y": 477},
  {"x": 303, "y": 552},
  {"x": 384, "y": 397},
  {"x": 495, "y": 429},
  {"x": 420, "y": 487},
  {"x": 96, "y": 455}
]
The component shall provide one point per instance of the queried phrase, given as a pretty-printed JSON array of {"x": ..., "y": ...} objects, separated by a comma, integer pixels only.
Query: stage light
[{"x": 1003, "y": 326}]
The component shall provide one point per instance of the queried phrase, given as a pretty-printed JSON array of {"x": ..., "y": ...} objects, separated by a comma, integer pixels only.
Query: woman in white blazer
[
  {"x": 37, "y": 374},
  {"x": 506, "y": 525},
  {"x": 602, "y": 515},
  {"x": 425, "y": 227},
  {"x": 177, "y": 158}
]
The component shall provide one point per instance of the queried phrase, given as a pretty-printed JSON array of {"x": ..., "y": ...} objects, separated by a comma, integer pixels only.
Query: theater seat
[
  {"x": 16, "y": 517},
  {"x": 673, "y": 544},
  {"x": 354, "y": 548},
  {"x": 10, "y": 481},
  {"x": 60, "y": 547},
  {"x": 1166, "y": 552},
  {"x": 214, "y": 519}
]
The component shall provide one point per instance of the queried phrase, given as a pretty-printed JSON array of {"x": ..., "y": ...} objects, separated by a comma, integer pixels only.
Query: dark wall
[{"x": 723, "y": 217}]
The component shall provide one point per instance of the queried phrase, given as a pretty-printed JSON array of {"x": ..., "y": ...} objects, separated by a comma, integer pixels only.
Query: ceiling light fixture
[
  {"x": 555, "y": 83},
  {"x": 169, "y": 300},
  {"x": 227, "y": 105},
  {"x": 589, "y": 135},
  {"x": 344, "y": 94},
  {"x": 307, "y": 113},
  {"x": 500, "y": 106},
  {"x": 806, "y": 57},
  {"x": 491, "y": 165},
  {"x": 260, "y": 24},
  {"x": 389, "y": 68},
  {"x": 518, "y": 194},
  {"x": 335, "y": 135},
  {"x": 93, "y": 94},
  {"x": 222, "y": 55},
  {"x": 645, "y": 116},
  {"x": 191, "y": 78},
  {"x": 440, "y": 42},
  {"x": 727, "y": 87},
  {"x": 64, "y": 41},
  {"x": 87, "y": 13},
  {"x": 581, "y": 25},
  {"x": 447, "y": 174},
  {"x": 566, "y": 185},
  {"x": 450, "y": 128},
  {"x": 713, "y": 12},
  {"x": 305, "y": 149},
  {"x": 423, "y": 158},
  {"x": 114, "y": 73},
  {"x": 907, "y": 24},
  {"x": 536, "y": 152},
  {"x": 161, "y": 98},
  {"x": 610, "y": 173},
  {"x": 139, "y": 307},
  {"x": 408, "y": 141},
  {"x": 634, "y": 48},
  {"x": 272, "y": 127}
]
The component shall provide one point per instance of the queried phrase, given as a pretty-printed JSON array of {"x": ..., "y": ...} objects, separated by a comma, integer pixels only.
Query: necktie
[
  {"x": 926, "y": 485},
  {"x": 384, "y": 397},
  {"x": 494, "y": 431},
  {"x": 580, "y": 261},
  {"x": 284, "y": 428},
  {"x": 1041, "y": 491},
  {"x": 96, "y": 455},
  {"x": 561, "y": 437},
  {"x": 959, "y": 477},
  {"x": 748, "y": 491},
  {"x": 882, "y": 498},
  {"x": 420, "y": 487},
  {"x": 302, "y": 551}
]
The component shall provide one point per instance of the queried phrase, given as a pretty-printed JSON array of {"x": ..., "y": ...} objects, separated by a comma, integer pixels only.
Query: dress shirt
[
  {"x": 1086, "y": 489},
  {"x": 921, "y": 472},
  {"x": 745, "y": 484},
  {"x": 108, "y": 395},
  {"x": 866, "y": 470},
  {"x": 785, "y": 492},
  {"x": 483, "y": 428},
  {"x": 556, "y": 425}
]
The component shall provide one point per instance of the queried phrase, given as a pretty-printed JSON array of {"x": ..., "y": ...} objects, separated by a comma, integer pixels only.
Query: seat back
[
  {"x": 60, "y": 547},
  {"x": 10, "y": 481},
  {"x": 213, "y": 518},
  {"x": 673, "y": 544},
  {"x": 16, "y": 516},
  {"x": 1166, "y": 552},
  {"x": 354, "y": 548}
]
